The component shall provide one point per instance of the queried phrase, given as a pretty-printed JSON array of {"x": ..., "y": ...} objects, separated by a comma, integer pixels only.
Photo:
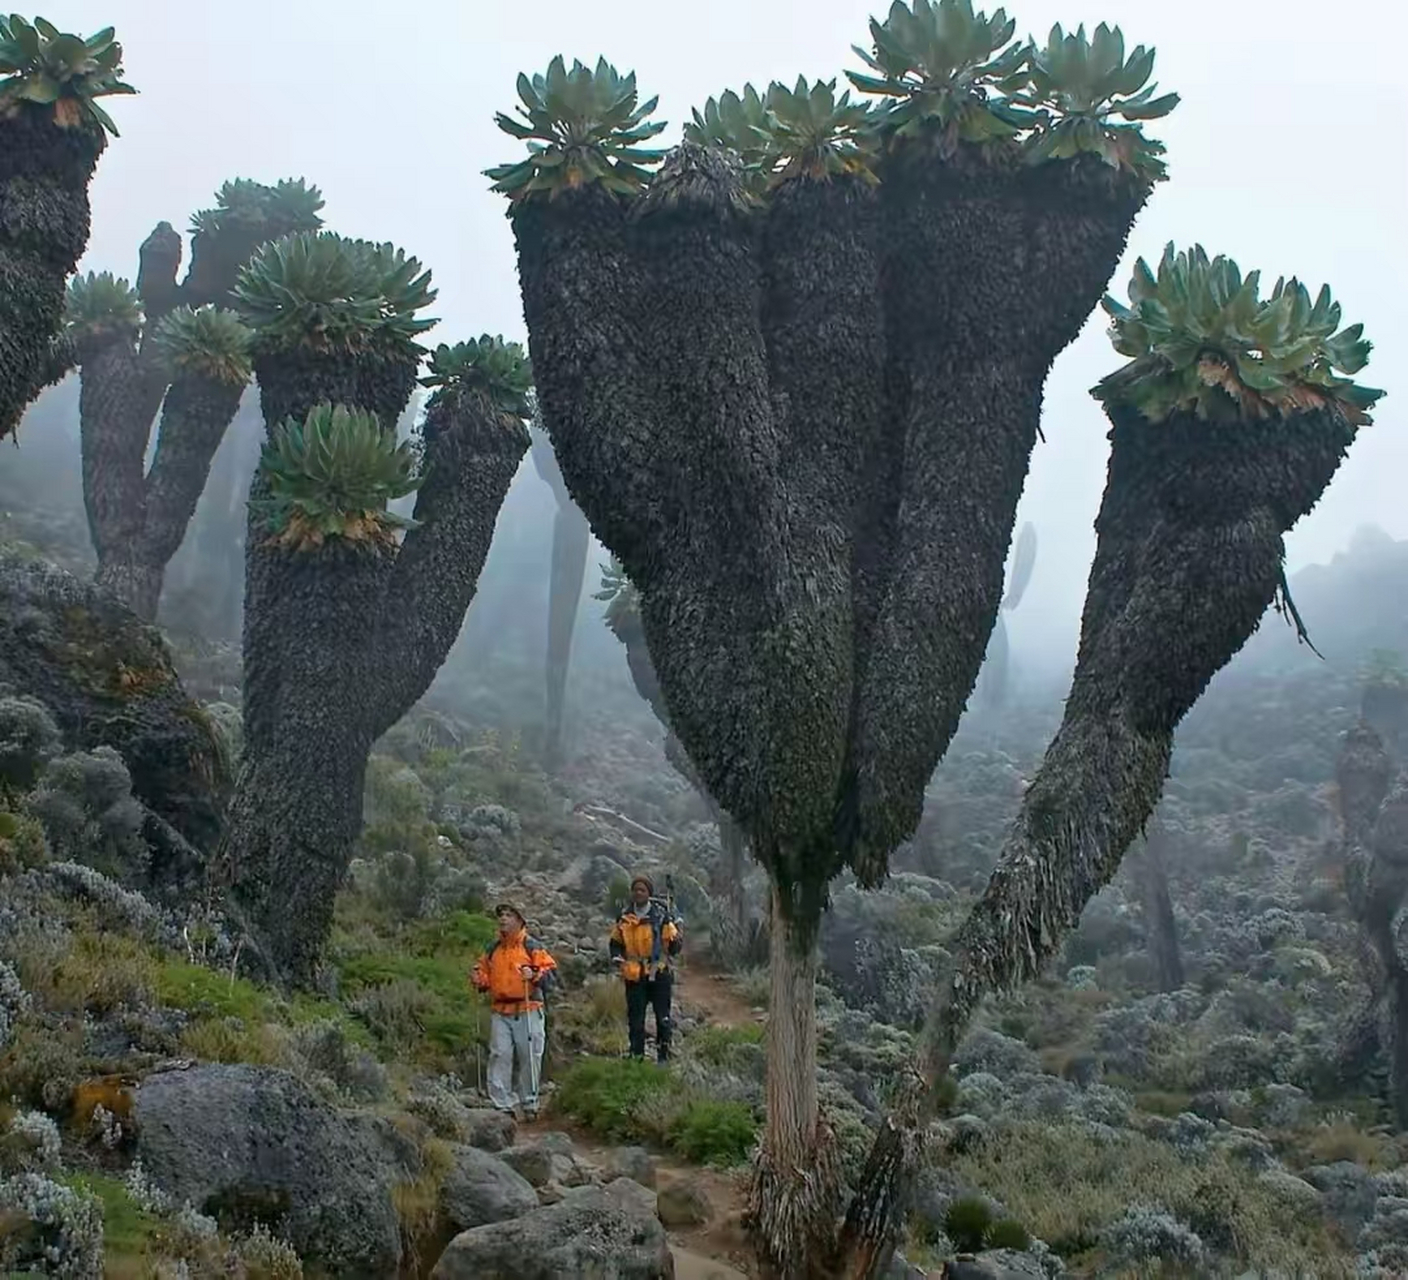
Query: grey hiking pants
[{"x": 515, "y": 1036}]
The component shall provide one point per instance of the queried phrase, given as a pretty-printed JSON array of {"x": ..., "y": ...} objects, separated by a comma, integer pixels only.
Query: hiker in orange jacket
[
  {"x": 645, "y": 939},
  {"x": 515, "y": 971}
]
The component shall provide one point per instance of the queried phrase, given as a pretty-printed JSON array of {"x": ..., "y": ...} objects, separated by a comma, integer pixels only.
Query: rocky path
[{"x": 717, "y": 1248}]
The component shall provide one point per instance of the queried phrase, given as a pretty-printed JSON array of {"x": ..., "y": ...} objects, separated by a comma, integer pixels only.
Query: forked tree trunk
[{"x": 795, "y": 1197}]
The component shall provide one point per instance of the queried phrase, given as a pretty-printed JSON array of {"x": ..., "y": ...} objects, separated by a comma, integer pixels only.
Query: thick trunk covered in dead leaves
[
  {"x": 44, "y": 226},
  {"x": 991, "y": 268},
  {"x": 339, "y": 643},
  {"x": 1188, "y": 557}
]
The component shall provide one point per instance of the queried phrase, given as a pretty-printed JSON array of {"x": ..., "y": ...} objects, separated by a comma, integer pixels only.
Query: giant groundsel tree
[
  {"x": 349, "y": 610},
  {"x": 172, "y": 356},
  {"x": 794, "y": 379},
  {"x": 52, "y": 131}
]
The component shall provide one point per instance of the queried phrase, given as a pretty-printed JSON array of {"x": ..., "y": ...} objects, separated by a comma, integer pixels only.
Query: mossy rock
[{"x": 107, "y": 679}]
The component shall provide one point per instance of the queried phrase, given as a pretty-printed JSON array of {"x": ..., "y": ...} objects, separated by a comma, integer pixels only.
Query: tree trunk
[
  {"x": 294, "y": 823},
  {"x": 734, "y": 847},
  {"x": 571, "y": 537},
  {"x": 964, "y": 239},
  {"x": 133, "y": 579},
  {"x": 1159, "y": 922},
  {"x": 1398, "y": 1062},
  {"x": 795, "y": 1195},
  {"x": 44, "y": 226}
]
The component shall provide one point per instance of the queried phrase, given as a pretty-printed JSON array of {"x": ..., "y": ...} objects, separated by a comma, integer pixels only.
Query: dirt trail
[{"x": 711, "y": 997}]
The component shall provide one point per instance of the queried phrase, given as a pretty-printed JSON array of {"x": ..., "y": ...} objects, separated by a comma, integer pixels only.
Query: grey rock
[
  {"x": 481, "y": 1188},
  {"x": 683, "y": 1204},
  {"x": 487, "y": 1129},
  {"x": 996, "y": 1264},
  {"x": 244, "y": 1143},
  {"x": 543, "y": 1162},
  {"x": 634, "y": 1163},
  {"x": 629, "y": 1194},
  {"x": 585, "y": 1236},
  {"x": 107, "y": 679}
]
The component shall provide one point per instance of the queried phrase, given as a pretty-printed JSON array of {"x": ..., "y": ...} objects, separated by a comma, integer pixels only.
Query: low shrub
[{"x": 714, "y": 1133}]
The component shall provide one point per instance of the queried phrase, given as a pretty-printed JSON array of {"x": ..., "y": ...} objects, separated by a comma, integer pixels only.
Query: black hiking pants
[{"x": 650, "y": 993}]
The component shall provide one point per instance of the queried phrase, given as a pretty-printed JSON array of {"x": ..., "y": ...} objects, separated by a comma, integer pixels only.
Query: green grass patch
[
  {"x": 415, "y": 985},
  {"x": 608, "y": 1094},
  {"x": 712, "y": 1132},
  {"x": 128, "y": 1229}
]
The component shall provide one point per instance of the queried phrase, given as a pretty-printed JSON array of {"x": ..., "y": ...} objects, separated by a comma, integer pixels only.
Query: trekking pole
[{"x": 532, "y": 1059}]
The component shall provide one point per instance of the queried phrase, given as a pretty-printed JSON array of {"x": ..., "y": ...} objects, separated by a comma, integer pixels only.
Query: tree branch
[{"x": 473, "y": 452}]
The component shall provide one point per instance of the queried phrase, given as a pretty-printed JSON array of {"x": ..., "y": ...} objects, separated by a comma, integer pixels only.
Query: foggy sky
[{"x": 1289, "y": 151}]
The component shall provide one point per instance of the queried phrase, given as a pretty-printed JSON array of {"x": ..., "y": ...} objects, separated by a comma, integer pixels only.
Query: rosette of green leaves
[
  {"x": 1202, "y": 340},
  {"x": 209, "y": 341},
  {"x": 815, "y": 134},
  {"x": 1083, "y": 86},
  {"x": 324, "y": 291},
  {"x": 489, "y": 366},
  {"x": 331, "y": 476},
  {"x": 261, "y": 209},
  {"x": 46, "y": 67},
  {"x": 619, "y": 594},
  {"x": 583, "y": 128},
  {"x": 734, "y": 122},
  {"x": 99, "y": 307},
  {"x": 945, "y": 70}
]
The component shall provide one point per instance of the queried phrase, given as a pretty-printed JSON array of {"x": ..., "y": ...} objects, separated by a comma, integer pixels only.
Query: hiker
[
  {"x": 644, "y": 940},
  {"x": 515, "y": 971}
]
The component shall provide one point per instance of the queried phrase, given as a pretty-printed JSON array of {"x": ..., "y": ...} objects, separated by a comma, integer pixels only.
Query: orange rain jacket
[{"x": 497, "y": 973}]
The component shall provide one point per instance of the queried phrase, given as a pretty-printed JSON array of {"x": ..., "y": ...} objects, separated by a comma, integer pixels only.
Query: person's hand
[{"x": 527, "y": 971}]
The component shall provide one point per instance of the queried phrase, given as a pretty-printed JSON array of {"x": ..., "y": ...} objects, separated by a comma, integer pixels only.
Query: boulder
[
  {"x": 481, "y": 1188},
  {"x": 627, "y": 1193},
  {"x": 634, "y": 1163},
  {"x": 683, "y": 1204},
  {"x": 246, "y": 1144},
  {"x": 487, "y": 1129},
  {"x": 544, "y": 1161},
  {"x": 996, "y": 1264},
  {"x": 586, "y": 1234},
  {"x": 107, "y": 679}
]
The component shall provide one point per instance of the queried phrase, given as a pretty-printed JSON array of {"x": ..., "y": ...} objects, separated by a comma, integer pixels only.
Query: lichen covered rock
[{"x": 107, "y": 679}]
